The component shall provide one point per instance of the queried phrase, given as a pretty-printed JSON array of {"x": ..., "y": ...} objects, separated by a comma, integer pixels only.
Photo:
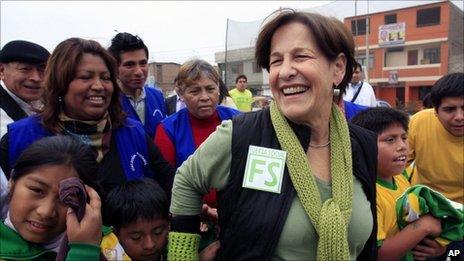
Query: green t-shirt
[
  {"x": 242, "y": 100},
  {"x": 209, "y": 167}
]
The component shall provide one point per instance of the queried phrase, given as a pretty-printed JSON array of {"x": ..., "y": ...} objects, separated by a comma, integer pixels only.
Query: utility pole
[
  {"x": 356, "y": 27},
  {"x": 225, "y": 56},
  {"x": 367, "y": 43}
]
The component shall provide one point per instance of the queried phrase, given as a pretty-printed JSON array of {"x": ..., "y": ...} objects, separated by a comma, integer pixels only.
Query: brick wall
[{"x": 164, "y": 78}]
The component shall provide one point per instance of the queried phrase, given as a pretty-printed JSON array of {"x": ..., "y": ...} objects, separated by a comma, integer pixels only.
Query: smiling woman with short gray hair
[{"x": 295, "y": 181}]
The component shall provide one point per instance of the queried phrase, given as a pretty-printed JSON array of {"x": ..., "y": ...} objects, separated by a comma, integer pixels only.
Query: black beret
[{"x": 23, "y": 51}]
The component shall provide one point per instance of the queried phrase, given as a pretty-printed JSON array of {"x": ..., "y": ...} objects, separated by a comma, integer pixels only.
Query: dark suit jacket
[
  {"x": 10, "y": 106},
  {"x": 171, "y": 103}
]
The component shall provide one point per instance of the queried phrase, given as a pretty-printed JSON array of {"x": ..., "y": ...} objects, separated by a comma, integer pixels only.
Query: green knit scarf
[{"x": 330, "y": 218}]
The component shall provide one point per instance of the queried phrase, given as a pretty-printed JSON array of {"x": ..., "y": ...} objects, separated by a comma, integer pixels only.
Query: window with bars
[
  {"x": 432, "y": 54},
  {"x": 390, "y": 19},
  {"x": 236, "y": 68},
  {"x": 428, "y": 17},
  {"x": 361, "y": 59},
  {"x": 358, "y": 26}
]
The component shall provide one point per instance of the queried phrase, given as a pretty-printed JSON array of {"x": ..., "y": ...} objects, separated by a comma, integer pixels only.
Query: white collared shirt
[
  {"x": 180, "y": 104},
  {"x": 366, "y": 96},
  {"x": 4, "y": 204},
  {"x": 139, "y": 104}
]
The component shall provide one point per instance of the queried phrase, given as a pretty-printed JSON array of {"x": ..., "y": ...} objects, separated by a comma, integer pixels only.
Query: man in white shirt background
[{"x": 359, "y": 91}]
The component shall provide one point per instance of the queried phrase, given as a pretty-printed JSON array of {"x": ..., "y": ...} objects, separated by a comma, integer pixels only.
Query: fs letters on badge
[{"x": 264, "y": 169}]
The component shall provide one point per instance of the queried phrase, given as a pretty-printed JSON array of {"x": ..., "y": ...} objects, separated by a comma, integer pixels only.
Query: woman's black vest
[{"x": 251, "y": 221}]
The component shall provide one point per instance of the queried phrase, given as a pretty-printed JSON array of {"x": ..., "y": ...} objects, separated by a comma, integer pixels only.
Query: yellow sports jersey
[
  {"x": 437, "y": 154},
  {"x": 112, "y": 249},
  {"x": 387, "y": 194}
]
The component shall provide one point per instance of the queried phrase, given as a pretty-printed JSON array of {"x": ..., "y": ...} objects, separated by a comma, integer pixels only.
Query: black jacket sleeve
[
  {"x": 186, "y": 224},
  {"x": 364, "y": 152},
  {"x": 4, "y": 156},
  {"x": 164, "y": 172}
]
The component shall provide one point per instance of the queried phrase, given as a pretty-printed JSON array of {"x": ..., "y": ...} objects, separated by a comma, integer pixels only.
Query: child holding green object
[{"x": 391, "y": 126}]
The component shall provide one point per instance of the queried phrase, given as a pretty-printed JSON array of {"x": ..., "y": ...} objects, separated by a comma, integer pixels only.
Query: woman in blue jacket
[{"x": 82, "y": 101}]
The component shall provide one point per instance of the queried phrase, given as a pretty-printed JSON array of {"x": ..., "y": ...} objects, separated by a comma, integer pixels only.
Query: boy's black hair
[
  {"x": 241, "y": 76},
  {"x": 427, "y": 101},
  {"x": 378, "y": 119},
  {"x": 356, "y": 66},
  {"x": 142, "y": 198},
  {"x": 450, "y": 85},
  {"x": 125, "y": 42}
]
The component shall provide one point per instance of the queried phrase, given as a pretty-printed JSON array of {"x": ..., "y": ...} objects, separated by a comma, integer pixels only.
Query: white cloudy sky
[{"x": 174, "y": 31}]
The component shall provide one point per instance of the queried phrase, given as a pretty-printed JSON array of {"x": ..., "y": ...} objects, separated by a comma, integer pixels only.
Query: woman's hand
[
  {"x": 428, "y": 248},
  {"x": 89, "y": 229},
  {"x": 210, "y": 252},
  {"x": 209, "y": 213}
]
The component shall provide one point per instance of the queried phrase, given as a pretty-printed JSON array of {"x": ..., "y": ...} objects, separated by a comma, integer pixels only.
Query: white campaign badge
[{"x": 264, "y": 169}]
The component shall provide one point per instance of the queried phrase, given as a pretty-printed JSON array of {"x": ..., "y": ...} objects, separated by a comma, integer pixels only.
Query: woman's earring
[
  {"x": 59, "y": 99},
  {"x": 336, "y": 91}
]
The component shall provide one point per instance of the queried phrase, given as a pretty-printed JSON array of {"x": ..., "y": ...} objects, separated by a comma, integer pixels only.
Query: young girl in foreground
[{"x": 37, "y": 220}]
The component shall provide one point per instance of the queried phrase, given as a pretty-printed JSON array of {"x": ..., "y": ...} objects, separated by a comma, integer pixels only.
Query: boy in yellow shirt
[
  {"x": 436, "y": 139},
  {"x": 391, "y": 126}
]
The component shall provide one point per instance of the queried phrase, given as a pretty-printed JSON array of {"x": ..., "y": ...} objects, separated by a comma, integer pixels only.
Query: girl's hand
[{"x": 89, "y": 229}]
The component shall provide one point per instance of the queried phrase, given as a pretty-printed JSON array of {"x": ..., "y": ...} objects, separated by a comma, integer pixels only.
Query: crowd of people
[{"x": 97, "y": 165}]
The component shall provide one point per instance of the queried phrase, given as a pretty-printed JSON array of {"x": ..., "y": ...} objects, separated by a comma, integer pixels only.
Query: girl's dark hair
[
  {"x": 142, "y": 198},
  {"x": 331, "y": 37},
  {"x": 59, "y": 150},
  {"x": 60, "y": 72}
]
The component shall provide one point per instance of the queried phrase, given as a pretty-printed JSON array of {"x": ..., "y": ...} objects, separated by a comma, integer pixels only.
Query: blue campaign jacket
[
  {"x": 177, "y": 127},
  {"x": 130, "y": 138},
  {"x": 155, "y": 109},
  {"x": 351, "y": 109}
]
